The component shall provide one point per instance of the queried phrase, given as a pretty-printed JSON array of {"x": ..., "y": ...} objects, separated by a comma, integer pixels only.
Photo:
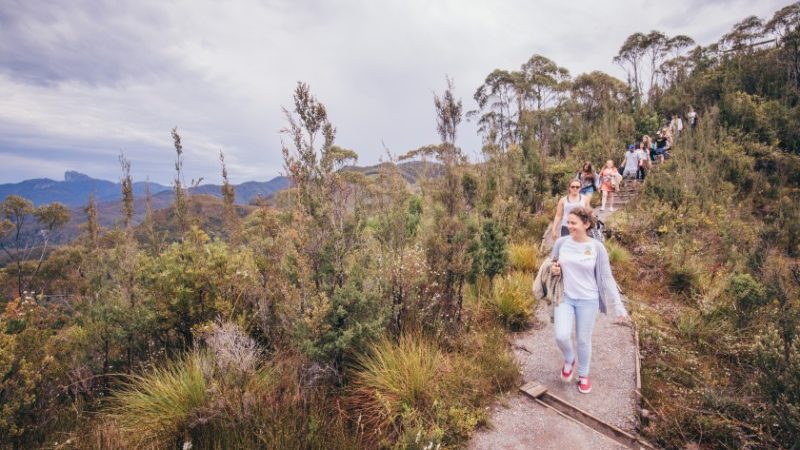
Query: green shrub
[
  {"x": 746, "y": 294},
  {"x": 682, "y": 279}
]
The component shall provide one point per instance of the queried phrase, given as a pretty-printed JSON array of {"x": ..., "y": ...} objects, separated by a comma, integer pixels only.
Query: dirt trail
[{"x": 518, "y": 422}]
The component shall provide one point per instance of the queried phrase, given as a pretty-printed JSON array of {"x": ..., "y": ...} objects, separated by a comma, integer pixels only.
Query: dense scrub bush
[
  {"x": 225, "y": 395},
  {"x": 682, "y": 279},
  {"x": 779, "y": 380}
]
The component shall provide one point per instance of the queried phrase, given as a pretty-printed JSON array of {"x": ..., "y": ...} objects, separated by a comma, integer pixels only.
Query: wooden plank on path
[
  {"x": 593, "y": 422},
  {"x": 533, "y": 388}
]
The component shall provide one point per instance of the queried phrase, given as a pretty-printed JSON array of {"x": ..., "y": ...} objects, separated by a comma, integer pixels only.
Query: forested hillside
[{"x": 372, "y": 308}]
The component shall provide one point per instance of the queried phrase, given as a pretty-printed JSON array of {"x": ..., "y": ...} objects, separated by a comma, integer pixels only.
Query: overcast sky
[{"x": 82, "y": 80}]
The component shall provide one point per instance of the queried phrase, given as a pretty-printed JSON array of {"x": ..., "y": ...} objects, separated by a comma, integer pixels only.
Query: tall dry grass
[
  {"x": 411, "y": 393},
  {"x": 512, "y": 301},
  {"x": 523, "y": 257}
]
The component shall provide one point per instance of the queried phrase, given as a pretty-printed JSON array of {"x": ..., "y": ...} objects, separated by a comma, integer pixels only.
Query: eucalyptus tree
[
  {"x": 785, "y": 24},
  {"x": 630, "y": 57},
  {"x": 542, "y": 81},
  {"x": 497, "y": 120},
  {"x": 26, "y": 233},
  {"x": 676, "y": 44},
  {"x": 743, "y": 35},
  {"x": 656, "y": 47},
  {"x": 678, "y": 67},
  {"x": 541, "y": 85},
  {"x": 598, "y": 93},
  {"x": 675, "y": 70}
]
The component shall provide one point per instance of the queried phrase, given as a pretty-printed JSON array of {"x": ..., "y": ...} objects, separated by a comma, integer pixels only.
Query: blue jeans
[{"x": 583, "y": 314}]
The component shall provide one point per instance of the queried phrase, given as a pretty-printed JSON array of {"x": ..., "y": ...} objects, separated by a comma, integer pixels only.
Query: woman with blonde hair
[
  {"x": 573, "y": 199},
  {"x": 607, "y": 176}
]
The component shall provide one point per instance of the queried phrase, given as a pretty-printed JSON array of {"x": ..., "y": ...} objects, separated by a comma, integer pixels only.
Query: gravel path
[
  {"x": 524, "y": 424},
  {"x": 521, "y": 423}
]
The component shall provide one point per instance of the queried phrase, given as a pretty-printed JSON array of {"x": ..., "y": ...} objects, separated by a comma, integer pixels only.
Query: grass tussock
[
  {"x": 165, "y": 403},
  {"x": 523, "y": 257},
  {"x": 397, "y": 382},
  {"x": 617, "y": 254},
  {"x": 411, "y": 393},
  {"x": 512, "y": 301},
  {"x": 624, "y": 268}
]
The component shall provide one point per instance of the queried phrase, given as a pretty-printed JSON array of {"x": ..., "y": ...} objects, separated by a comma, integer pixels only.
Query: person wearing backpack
[{"x": 588, "y": 287}]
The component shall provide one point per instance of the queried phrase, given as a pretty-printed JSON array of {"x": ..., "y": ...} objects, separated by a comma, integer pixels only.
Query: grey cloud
[
  {"x": 97, "y": 42},
  {"x": 82, "y": 80}
]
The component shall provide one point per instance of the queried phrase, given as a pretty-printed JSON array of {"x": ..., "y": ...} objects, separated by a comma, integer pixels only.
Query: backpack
[{"x": 596, "y": 232}]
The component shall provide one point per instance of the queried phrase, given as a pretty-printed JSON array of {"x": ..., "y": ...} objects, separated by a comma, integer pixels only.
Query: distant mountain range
[
  {"x": 76, "y": 187},
  {"x": 74, "y": 190}
]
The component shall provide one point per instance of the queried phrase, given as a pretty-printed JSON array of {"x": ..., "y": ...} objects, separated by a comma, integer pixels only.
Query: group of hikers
[{"x": 576, "y": 280}]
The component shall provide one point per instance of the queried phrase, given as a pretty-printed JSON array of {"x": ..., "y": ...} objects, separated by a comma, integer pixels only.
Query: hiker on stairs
[
  {"x": 630, "y": 163},
  {"x": 608, "y": 180},
  {"x": 589, "y": 286},
  {"x": 644, "y": 161},
  {"x": 588, "y": 179},
  {"x": 573, "y": 199}
]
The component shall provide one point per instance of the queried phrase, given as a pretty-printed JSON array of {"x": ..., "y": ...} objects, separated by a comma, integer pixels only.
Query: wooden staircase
[{"x": 626, "y": 192}]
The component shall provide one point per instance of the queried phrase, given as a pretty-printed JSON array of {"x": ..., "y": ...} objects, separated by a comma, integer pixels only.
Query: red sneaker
[
  {"x": 566, "y": 375},
  {"x": 584, "y": 385}
]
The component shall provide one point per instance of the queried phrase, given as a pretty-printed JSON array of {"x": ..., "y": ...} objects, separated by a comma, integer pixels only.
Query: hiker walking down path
[
  {"x": 588, "y": 179},
  {"x": 630, "y": 163},
  {"x": 692, "y": 116},
  {"x": 607, "y": 182},
  {"x": 588, "y": 287},
  {"x": 644, "y": 160},
  {"x": 663, "y": 143},
  {"x": 573, "y": 199}
]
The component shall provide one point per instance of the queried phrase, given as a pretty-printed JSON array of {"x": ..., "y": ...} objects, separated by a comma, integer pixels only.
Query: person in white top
[
  {"x": 589, "y": 288},
  {"x": 630, "y": 163},
  {"x": 573, "y": 199},
  {"x": 692, "y": 116}
]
